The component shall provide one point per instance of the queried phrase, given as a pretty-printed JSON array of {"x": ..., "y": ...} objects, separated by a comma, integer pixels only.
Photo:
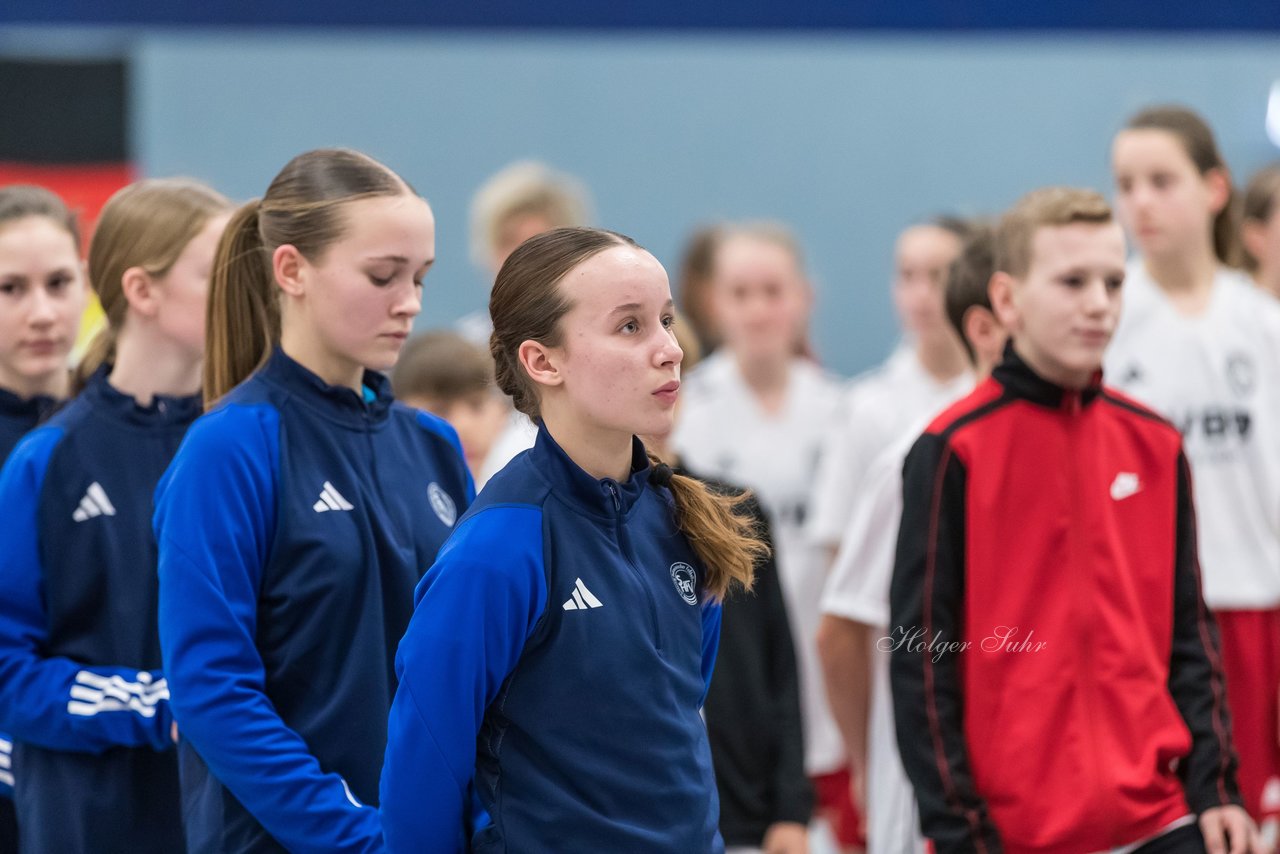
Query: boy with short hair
[
  {"x": 446, "y": 375},
  {"x": 1055, "y": 673}
]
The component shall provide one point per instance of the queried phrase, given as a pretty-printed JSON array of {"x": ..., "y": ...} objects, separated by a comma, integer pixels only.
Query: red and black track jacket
[{"x": 1057, "y": 685}]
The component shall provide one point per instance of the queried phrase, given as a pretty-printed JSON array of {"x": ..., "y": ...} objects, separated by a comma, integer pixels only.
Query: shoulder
[
  {"x": 517, "y": 483},
  {"x": 231, "y": 433},
  {"x": 985, "y": 399},
  {"x": 30, "y": 457},
  {"x": 432, "y": 425},
  {"x": 713, "y": 376},
  {"x": 1129, "y": 409}
]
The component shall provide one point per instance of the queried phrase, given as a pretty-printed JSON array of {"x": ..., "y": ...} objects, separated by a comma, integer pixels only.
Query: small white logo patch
[
  {"x": 445, "y": 509},
  {"x": 686, "y": 581},
  {"x": 1125, "y": 484}
]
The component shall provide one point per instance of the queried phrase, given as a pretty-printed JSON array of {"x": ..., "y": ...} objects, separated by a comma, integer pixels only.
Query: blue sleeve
[
  {"x": 711, "y": 613},
  {"x": 47, "y": 700},
  {"x": 215, "y": 521},
  {"x": 436, "y": 424},
  {"x": 476, "y": 608}
]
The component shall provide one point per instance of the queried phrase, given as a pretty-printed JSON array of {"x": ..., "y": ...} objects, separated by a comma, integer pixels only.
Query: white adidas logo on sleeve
[
  {"x": 331, "y": 499},
  {"x": 94, "y": 503},
  {"x": 582, "y": 598}
]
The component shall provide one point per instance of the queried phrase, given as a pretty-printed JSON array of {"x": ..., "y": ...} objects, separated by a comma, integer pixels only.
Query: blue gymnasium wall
[{"x": 847, "y": 136}]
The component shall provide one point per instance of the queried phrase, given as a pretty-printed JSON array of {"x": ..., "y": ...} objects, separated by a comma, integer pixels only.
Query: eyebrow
[{"x": 635, "y": 306}]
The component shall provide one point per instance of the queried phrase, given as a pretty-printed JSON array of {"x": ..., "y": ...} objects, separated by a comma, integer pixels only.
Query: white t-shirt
[
  {"x": 1217, "y": 378},
  {"x": 722, "y": 432},
  {"x": 858, "y": 590},
  {"x": 519, "y": 435},
  {"x": 877, "y": 408}
]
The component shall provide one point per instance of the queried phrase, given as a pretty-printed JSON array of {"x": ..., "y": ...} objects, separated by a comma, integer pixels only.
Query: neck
[
  {"x": 660, "y": 447},
  {"x": 942, "y": 357},
  {"x": 600, "y": 453},
  {"x": 765, "y": 377},
  {"x": 335, "y": 371},
  {"x": 56, "y": 385},
  {"x": 1054, "y": 374},
  {"x": 148, "y": 364},
  {"x": 1187, "y": 274}
]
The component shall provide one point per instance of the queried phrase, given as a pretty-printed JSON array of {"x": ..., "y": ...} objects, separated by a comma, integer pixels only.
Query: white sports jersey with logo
[
  {"x": 723, "y": 433},
  {"x": 1217, "y": 378},
  {"x": 878, "y": 406}
]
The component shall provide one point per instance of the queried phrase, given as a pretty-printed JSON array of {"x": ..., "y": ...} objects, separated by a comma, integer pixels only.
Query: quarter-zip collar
[
  {"x": 1018, "y": 379},
  {"x": 33, "y": 409},
  {"x": 337, "y": 403},
  {"x": 603, "y": 497},
  {"x": 163, "y": 410}
]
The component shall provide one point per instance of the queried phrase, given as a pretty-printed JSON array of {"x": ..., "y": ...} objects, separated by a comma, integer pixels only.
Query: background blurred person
[
  {"x": 1260, "y": 228},
  {"x": 81, "y": 687}
]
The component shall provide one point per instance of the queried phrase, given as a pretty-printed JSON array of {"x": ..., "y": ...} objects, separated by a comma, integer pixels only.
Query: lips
[{"x": 668, "y": 393}]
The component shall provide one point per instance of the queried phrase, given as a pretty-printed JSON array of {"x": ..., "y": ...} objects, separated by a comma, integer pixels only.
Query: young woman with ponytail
[
  {"x": 300, "y": 512},
  {"x": 81, "y": 687},
  {"x": 553, "y": 672},
  {"x": 1200, "y": 344}
]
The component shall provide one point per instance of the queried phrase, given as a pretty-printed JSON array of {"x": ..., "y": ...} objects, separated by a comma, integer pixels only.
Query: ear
[
  {"x": 290, "y": 269},
  {"x": 539, "y": 362},
  {"x": 1253, "y": 236},
  {"x": 140, "y": 291},
  {"x": 984, "y": 332},
  {"x": 1001, "y": 290},
  {"x": 1218, "y": 182}
]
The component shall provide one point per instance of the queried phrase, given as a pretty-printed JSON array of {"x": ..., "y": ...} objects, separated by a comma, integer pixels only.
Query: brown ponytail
[
  {"x": 726, "y": 540},
  {"x": 527, "y": 305},
  {"x": 146, "y": 224},
  {"x": 1197, "y": 140},
  {"x": 303, "y": 208}
]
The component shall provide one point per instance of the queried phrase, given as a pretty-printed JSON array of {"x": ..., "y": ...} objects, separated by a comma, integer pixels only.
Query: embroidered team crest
[
  {"x": 446, "y": 510},
  {"x": 686, "y": 581}
]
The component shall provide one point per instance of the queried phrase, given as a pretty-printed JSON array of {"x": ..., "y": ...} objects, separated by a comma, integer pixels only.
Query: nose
[
  {"x": 408, "y": 302},
  {"x": 44, "y": 310},
  {"x": 668, "y": 352},
  {"x": 1097, "y": 299}
]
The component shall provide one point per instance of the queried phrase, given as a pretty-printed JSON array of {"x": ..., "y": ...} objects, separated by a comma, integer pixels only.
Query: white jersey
[
  {"x": 877, "y": 408},
  {"x": 1217, "y": 378},
  {"x": 858, "y": 590},
  {"x": 518, "y": 435},
  {"x": 722, "y": 432}
]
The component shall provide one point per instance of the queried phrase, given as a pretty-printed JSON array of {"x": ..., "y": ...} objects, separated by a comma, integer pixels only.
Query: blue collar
[
  {"x": 35, "y": 409},
  {"x": 164, "y": 410},
  {"x": 600, "y": 497},
  {"x": 336, "y": 402}
]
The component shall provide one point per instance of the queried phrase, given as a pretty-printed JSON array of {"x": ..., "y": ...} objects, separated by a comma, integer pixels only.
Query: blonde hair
[
  {"x": 146, "y": 224},
  {"x": 19, "y": 201},
  {"x": 527, "y": 305},
  {"x": 303, "y": 208},
  {"x": 524, "y": 188},
  {"x": 1044, "y": 208}
]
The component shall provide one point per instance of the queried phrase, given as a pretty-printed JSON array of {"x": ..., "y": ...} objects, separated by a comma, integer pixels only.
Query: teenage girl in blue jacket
[
  {"x": 42, "y": 294},
  {"x": 552, "y": 676},
  {"x": 300, "y": 512},
  {"x": 80, "y": 683}
]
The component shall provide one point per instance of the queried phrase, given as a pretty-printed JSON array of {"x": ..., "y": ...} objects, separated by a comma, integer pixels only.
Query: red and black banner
[{"x": 66, "y": 128}]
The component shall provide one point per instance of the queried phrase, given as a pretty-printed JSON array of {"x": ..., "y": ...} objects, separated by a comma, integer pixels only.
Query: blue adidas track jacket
[
  {"x": 293, "y": 526},
  {"x": 552, "y": 675},
  {"x": 18, "y": 417},
  {"x": 80, "y": 683}
]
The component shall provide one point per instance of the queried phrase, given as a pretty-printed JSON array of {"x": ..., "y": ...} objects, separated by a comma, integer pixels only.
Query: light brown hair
[
  {"x": 146, "y": 224},
  {"x": 1043, "y": 208},
  {"x": 1197, "y": 140},
  {"x": 524, "y": 188},
  {"x": 19, "y": 201},
  {"x": 527, "y": 304},
  {"x": 441, "y": 366},
  {"x": 303, "y": 208},
  {"x": 1261, "y": 202}
]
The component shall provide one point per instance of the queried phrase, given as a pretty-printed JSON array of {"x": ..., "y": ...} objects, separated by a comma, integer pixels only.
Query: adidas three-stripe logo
[
  {"x": 94, "y": 503},
  {"x": 93, "y": 693},
  {"x": 582, "y": 598},
  {"x": 331, "y": 499}
]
